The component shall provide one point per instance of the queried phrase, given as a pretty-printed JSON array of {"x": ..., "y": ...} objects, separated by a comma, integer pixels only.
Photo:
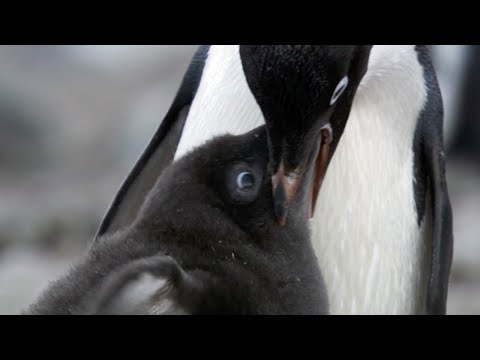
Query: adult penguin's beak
[{"x": 287, "y": 178}]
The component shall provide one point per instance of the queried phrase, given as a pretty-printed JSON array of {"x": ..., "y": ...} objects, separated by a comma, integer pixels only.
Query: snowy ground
[{"x": 75, "y": 109}]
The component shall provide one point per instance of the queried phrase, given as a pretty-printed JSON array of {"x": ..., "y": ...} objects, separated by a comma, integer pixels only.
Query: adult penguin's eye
[
  {"x": 245, "y": 181},
  {"x": 342, "y": 85}
]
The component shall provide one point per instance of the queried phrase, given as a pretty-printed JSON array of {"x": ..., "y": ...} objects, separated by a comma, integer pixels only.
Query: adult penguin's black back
[{"x": 205, "y": 242}]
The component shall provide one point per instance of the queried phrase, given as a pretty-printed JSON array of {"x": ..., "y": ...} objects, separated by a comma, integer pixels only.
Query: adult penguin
[
  {"x": 383, "y": 211},
  {"x": 205, "y": 241}
]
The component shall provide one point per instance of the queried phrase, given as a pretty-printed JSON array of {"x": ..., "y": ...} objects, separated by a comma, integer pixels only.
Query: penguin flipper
[
  {"x": 158, "y": 154},
  {"x": 442, "y": 232},
  {"x": 430, "y": 175}
]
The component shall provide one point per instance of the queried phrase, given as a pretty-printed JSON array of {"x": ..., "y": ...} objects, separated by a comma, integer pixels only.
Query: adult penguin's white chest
[{"x": 372, "y": 253}]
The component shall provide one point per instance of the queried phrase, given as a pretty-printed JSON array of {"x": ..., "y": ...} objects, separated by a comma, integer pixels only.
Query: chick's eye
[
  {"x": 245, "y": 181},
  {"x": 342, "y": 85}
]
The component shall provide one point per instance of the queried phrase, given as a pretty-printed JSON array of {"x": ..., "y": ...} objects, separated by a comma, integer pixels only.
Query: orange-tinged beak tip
[{"x": 284, "y": 189}]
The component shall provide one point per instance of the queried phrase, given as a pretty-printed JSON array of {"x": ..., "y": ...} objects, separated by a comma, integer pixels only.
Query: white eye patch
[{"x": 342, "y": 85}]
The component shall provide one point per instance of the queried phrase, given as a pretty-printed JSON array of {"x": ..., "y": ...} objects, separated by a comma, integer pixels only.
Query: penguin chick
[{"x": 206, "y": 241}]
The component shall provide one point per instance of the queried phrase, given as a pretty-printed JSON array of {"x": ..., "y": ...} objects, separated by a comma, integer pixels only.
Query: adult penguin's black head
[{"x": 305, "y": 93}]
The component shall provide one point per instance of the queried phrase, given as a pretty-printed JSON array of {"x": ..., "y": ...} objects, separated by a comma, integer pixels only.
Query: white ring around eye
[
  {"x": 240, "y": 177},
  {"x": 342, "y": 85}
]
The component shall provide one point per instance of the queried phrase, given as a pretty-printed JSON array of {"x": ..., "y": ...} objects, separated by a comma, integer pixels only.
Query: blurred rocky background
[{"x": 74, "y": 119}]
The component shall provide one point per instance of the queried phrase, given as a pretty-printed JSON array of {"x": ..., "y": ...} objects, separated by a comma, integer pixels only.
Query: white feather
[
  {"x": 141, "y": 296},
  {"x": 136, "y": 293}
]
